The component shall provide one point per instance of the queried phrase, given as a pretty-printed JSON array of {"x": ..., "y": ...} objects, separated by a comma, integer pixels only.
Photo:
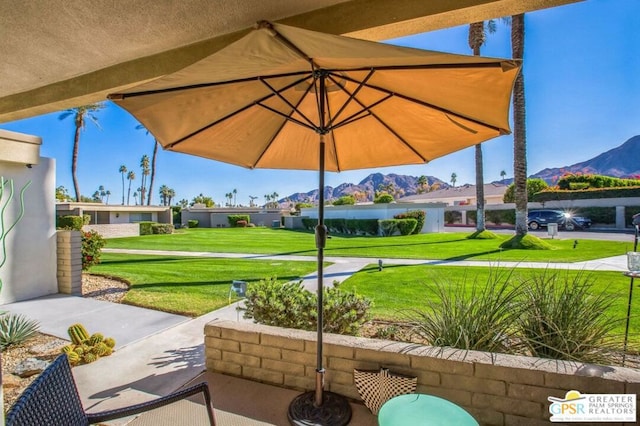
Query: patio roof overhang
[{"x": 64, "y": 53}]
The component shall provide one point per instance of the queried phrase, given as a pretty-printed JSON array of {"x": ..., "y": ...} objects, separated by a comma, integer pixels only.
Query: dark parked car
[
  {"x": 541, "y": 218},
  {"x": 581, "y": 221}
]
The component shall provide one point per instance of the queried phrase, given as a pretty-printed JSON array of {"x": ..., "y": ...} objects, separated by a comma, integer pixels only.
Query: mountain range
[{"x": 622, "y": 162}]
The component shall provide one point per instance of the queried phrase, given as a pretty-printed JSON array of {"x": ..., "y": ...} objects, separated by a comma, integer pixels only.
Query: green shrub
[
  {"x": 383, "y": 199},
  {"x": 388, "y": 227},
  {"x": 419, "y": 215},
  {"x": 176, "y": 214},
  {"x": 585, "y": 194},
  {"x": 562, "y": 318},
  {"x": 74, "y": 223},
  {"x": 605, "y": 215},
  {"x": 582, "y": 181},
  {"x": 476, "y": 316},
  {"x": 345, "y": 200},
  {"x": 234, "y": 218},
  {"x": 289, "y": 305},
  {"x": 534, "y": 186},
  {"x": 146, "y": 228},
  {"x": 15, "y": 329},
  {"x": 629, "y": 211},
  {"x": 192, "y": 223},
  {"x": 407, "y": 226},
  {"x": 92, "y": 244},
  {"x": 162, "y": 228},
  {"x": 336, "y": 226},
  {"x": 309, "y": 224}
]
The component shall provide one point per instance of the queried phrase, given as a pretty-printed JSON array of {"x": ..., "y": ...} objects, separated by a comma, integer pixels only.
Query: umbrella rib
[
  {"x": 238, "y": 111},
  {"x": 351, "y": 95},
  {"x": 287, "y": 118},
  {"x": 286, "y": 101}
]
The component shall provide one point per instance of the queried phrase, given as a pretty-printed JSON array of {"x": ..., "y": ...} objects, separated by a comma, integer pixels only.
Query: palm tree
[
  {"x": 131, "y": 177},
  {"x": 519, "y": 130},
  {"x": 164, "y": 189},
  {"x": 144, "y": 164},
  {"x": 252, "y": 199},
  {"x": 422, "y": 183},
  {"x": 101, "y": 193},
  {"x": 502, "y": 175},
  {"x": 235, "y": 195},
  {"x": 274, "y": 196},
  {"x": 153, "y": 162},
  {"x": 107, "y": 193},
  {"x": 454, "y": 178},
  {"x": 80, "y": 115},
  {"x": 477, "y": 37},
  {"x": 123, "y": 170},
  {"x": 170, "y": 195}
]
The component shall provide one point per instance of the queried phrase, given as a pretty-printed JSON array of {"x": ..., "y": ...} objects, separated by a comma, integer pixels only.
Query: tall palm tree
[
  {"x": 123, "y": 171},
  {"x": 108, "y": 194},
  {"x": 519, "y": 130},
  {"x": 131, "y": 177},
  {"x": 154, "y": 155},
  {"x": 477, "y": 37},
  {"x": 144, "y": 165},
  {"x": 235, "y": 195},
  {"x": 163, "y": 194},
  {"x": 252, "y": 199},
  {"x": 503, "y": 174},
  {"x": 274, "y": 196},
  {"x": 80, "y": 115},
  {"x": 454, "y": 179},
  {"x": 170, "y": 196}
]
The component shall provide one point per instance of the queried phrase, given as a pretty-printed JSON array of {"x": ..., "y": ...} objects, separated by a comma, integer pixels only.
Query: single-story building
[
  {"x": 460, "y": 195},
  {"x": 105, "y": 214},
  {"x": 217, "y": 217}
]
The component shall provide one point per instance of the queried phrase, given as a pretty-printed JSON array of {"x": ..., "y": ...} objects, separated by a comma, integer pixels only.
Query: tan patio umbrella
[{"x": 287, "y": 98}]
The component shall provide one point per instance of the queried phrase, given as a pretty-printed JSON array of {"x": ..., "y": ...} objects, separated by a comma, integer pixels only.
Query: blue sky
[{"x": 581, "y": 68}]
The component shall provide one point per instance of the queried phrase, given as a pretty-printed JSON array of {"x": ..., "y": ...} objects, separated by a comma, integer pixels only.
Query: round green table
[{"x": 419, "y": 409}]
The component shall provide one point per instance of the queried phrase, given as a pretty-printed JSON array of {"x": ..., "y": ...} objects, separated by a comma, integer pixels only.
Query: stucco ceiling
[{"x": 56, "y": 54}]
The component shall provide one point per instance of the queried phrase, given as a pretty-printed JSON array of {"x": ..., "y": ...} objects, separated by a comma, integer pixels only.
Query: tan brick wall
[
  {"x": 69, "y": 251},
  {"x": 496, "y": 389}
]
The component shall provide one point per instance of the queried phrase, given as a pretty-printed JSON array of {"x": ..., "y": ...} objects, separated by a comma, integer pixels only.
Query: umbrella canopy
[
  {"x": 287, "y": 98},
  {"x": 255, "y": 104}
]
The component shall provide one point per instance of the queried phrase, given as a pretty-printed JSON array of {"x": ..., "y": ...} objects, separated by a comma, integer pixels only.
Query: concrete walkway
[{"x": 157, "y": 352}]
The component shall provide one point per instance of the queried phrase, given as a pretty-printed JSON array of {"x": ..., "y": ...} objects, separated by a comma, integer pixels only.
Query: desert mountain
[{"x": 623, "y": 161}]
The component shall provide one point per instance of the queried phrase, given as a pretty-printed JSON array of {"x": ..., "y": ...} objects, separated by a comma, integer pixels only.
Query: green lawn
[
  {"x": 398, "y": 288},
  {"x": 190, "y": 285},
  {"x": 446, "y": 246}
]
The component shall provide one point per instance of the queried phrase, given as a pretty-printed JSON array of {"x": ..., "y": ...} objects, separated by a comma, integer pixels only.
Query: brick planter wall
[
  {"x": 69, "y": 250},
  {"x": 496, "y": 389}
]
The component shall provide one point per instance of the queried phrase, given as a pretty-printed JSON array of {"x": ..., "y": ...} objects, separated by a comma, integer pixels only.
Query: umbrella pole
[
  {"x": 320, "y": 407},
  {"x": 321, "y": 241}
]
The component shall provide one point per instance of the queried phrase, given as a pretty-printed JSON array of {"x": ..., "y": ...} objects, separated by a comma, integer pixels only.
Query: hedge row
[{"x": 585, "y": 194}]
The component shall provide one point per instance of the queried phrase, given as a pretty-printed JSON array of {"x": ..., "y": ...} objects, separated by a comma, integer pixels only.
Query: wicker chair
[{"x": 53, "y": 399}]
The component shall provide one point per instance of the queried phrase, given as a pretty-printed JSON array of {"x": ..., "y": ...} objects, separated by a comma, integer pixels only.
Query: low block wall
[
  {"x": 115, "y": 230},
  {"x": 496, "y": 389}
]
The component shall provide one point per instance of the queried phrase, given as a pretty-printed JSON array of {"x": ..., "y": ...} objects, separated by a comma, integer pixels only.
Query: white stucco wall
[{"x": 30, "y": 268}]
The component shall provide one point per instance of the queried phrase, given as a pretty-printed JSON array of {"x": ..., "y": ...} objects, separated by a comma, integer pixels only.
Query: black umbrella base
[{"x": 334, "y": 411}]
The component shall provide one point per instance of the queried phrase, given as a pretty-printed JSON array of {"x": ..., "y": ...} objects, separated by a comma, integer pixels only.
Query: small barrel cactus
[
  {"x": 89, "y": 358},
  {"x": 78, "y": 333},
  {"x": 79, "y": 350},
  {"x": 73, "y": 358},
  {"x": 101, "y": 349},
  {"x": 68, "y": 348},
  {"x": 109, "y": 341},
  {"x": 95, "y": 339}
]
